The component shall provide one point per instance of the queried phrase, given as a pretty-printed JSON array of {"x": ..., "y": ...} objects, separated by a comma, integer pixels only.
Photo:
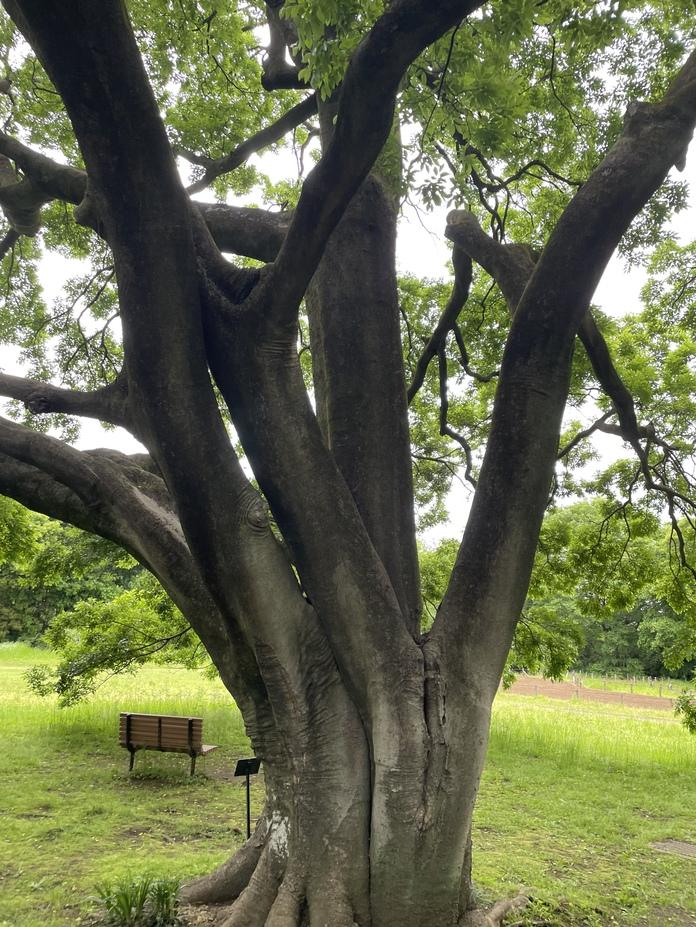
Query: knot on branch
[
  {"x": 37, "y": 403},
  {"x": 638, "y": 114},
  {"x": 253, "y": 512}
]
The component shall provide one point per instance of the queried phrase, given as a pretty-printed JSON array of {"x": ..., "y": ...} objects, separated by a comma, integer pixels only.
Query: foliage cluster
[
  {"x": 85, "y": 598},
  {"x": 47, "y": 568},
  {"x": 686, "y": 710},
  {"x": 604, "y": 597}
]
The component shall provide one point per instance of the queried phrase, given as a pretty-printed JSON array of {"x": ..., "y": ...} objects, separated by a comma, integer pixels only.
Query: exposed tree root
[
  {"x": 496, "y": 915},
  {"x": 287, "y": 909},
  {"x": 230, "y": 879},
  {"x": 253, "y": 906},
  {"x": 271, "y": 890}
]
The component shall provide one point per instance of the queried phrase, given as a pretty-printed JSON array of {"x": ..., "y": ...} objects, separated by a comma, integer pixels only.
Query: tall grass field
[{"x": 572, "y": 798}]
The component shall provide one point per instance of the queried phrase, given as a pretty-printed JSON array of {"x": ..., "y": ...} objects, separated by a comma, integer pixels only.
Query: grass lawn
[{"x": 572, "y": 797}]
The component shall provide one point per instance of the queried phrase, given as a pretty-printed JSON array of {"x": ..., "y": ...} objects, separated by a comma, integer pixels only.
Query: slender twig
[{"x": 445, "y": 428}]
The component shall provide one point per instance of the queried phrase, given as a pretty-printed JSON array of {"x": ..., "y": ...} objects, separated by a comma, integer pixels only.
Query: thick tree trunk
[{"x": 309, "y": 861}]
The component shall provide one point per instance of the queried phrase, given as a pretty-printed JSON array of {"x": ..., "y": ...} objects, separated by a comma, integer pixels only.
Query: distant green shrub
[{"x": 685, "y": 709}]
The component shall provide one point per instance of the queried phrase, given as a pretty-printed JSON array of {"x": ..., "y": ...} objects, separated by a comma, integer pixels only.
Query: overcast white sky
[{"x": 422, "y": 250}]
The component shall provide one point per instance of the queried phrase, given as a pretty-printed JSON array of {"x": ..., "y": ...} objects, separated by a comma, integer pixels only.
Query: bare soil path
[{"x": 535, "y": 685}]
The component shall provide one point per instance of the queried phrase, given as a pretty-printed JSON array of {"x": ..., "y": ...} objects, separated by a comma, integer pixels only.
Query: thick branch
[
  {"x": 108, "y": 404},
  {"x": 353, "y": 312},
  {"x": 509, "y": 265},
  {"x": 365, "y": 114},
  {"x": 130, "y": 506},
  {"x": 254, "y": 233},
  {"x": 39, "y": 491},
  {"x": 278, "y": 73},
  {"x": 522, "y": 448},
  {"x": 59, "y": 181},
  {"x": 21, "y": 200}
]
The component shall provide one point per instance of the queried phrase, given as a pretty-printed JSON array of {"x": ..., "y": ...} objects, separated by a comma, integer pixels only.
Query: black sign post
[{"x": 248, "y": 768}]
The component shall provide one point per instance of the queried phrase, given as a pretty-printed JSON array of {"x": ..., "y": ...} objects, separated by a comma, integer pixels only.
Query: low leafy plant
[
  {"x": 163, "y": 902},
  {"x": 685, "y": 709},
  {"x": 143, "y": 902}
]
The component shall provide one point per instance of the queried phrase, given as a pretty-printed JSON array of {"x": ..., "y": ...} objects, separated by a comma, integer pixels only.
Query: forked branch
[{"x": 447, "y": 321}]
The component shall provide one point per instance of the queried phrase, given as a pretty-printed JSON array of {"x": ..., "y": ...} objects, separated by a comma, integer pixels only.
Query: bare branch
[
  {"x": 585, "y": 433},
  {"x": 511, "y": 266},
  {"x": 464, "y": 359},
  {"x": 445, "y": 428},
  {"x": 267, "y": 136},
  {"x": 458, "y": 297},
  {"x": 8, "y": 242}
]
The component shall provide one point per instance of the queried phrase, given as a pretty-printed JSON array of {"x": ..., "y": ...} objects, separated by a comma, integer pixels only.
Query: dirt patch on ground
[
  {"x": 204, "y": 915},
  {"x": 534, "y": 685},
  {"x": 675, "y": 847}
]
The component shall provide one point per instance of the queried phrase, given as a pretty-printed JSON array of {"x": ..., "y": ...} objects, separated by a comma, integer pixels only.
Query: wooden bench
[{"x": 168, "y": 733}]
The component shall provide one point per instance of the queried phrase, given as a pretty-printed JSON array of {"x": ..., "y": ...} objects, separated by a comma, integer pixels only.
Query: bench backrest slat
[{"x": 167, "y": 732}]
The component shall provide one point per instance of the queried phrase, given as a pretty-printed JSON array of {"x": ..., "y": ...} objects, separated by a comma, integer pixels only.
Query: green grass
[
  {"x": 73, "y": 817},
  {"x": 572, "y": 797}
]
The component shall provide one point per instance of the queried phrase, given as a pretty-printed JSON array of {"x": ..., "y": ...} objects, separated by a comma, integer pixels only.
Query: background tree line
[{"x": 602, "y": 599}]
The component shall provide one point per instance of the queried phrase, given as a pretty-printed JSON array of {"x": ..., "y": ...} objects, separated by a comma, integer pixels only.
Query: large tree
[{"x": 303, "y": 585}]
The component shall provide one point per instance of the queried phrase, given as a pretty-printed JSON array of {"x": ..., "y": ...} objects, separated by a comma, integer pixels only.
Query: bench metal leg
[
  {"x": 193, "y": 764},
  {"x": 132, "y": 760}
]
